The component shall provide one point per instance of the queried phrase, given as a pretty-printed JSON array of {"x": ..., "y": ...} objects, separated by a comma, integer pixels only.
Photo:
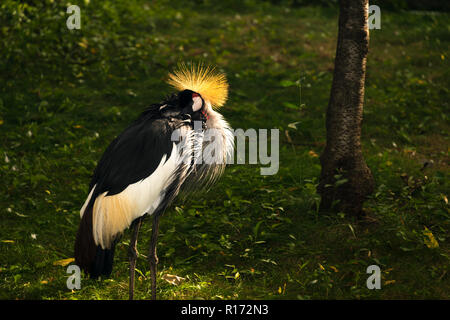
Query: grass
[{"x": 66, "y": 94}]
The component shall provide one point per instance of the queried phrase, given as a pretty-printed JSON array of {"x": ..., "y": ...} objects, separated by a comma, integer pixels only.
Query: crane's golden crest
[{"x": 205, "y": 80}]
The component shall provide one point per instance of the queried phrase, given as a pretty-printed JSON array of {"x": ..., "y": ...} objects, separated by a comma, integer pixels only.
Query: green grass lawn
[{"x": 64, "y": 95}]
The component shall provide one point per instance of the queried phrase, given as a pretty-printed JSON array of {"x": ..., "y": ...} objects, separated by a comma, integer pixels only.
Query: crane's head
[
  {"x": 201, "y": 87},
  {"x": 190, "y": 101}
]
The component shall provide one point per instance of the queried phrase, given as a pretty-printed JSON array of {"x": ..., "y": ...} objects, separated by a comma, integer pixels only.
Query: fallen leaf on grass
[
  {"x": 173, "y": 279},
  {"x": 430, "y": 241},
  {"x": 334, "y": 268},
  {"x": 312, "y": 154},
  {"x": 63, "y": 262}
]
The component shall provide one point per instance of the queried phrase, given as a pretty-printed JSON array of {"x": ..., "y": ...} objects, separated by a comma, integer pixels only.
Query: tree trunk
[{"x": 345, "y": 179}]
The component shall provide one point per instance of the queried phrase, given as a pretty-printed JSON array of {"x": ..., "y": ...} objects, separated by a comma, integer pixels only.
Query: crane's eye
[{"x": 194, "y": 95}]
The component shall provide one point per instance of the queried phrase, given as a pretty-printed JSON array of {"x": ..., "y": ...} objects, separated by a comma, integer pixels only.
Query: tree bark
[{"x": 345, "y": 180}]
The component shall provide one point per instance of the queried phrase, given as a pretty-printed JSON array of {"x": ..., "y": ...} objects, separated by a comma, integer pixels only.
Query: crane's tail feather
[
  {"x": 90, "y": 257},
  {"x": 103, "y": 262}
]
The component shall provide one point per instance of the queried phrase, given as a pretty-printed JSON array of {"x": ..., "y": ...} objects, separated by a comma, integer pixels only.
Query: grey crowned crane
[{"x": 149, "y": 163}]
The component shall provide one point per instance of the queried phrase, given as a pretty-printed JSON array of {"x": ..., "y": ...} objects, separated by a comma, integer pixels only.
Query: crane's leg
[
  {"x": 133, "y": 254},
  {"x": 152, "y": 257}
]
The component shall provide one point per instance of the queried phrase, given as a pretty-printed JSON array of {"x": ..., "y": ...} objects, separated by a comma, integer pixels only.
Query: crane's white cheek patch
[
  {"x": 198, "y": 103},
  {"x": 113, "y": 214}
]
